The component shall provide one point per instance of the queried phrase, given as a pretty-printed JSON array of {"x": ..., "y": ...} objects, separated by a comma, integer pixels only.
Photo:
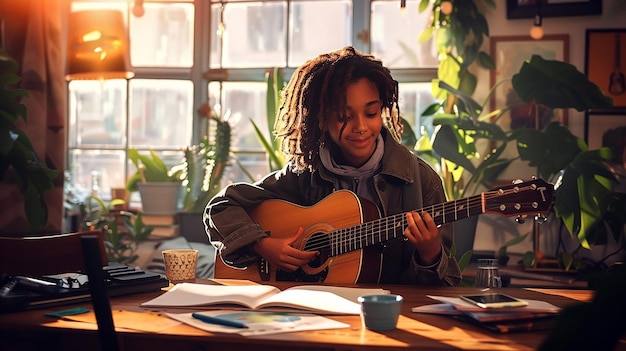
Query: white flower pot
[{"x": 159, "y": 198}]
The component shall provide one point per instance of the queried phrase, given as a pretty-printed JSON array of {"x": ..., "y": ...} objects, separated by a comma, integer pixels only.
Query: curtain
[{"x": 33, "y": 34}]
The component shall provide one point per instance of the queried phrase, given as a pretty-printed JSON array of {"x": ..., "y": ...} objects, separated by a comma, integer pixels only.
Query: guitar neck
[{"x": 387, "y": 228}]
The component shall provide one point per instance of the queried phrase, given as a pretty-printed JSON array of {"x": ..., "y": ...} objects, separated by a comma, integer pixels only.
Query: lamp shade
[{"x": 97, "y": 46}]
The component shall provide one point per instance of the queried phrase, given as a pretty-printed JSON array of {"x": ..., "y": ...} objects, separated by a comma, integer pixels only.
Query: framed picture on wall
[
  {"x": 605, "y": 128},
  {"x": 605, "y": 62},
  {"x": 552, "y": 8},
  {"x": 509, "y": 54}
]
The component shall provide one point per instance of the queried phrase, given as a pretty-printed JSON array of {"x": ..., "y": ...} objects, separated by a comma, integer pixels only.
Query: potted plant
[
  {"x": 201, "y": 172},
  {"x": 120, "y": 243},
  {"x": 158, "y": 186},
  {"x": 584, "y": 198},
  {"x": 19, "y": 162}
]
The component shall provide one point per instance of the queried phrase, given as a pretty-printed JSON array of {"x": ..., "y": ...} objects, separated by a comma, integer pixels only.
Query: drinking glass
[{"x": 487, "y": 274}]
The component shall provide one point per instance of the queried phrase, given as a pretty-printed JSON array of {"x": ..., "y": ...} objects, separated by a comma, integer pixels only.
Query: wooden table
[{"x": 29, "y": 330}]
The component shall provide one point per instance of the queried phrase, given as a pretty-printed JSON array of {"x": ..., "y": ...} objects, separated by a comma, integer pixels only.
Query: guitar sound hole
[{"x": 319, "y": 242}]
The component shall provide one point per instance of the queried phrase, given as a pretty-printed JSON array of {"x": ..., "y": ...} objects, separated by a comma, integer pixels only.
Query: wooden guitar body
[{"x": 281, "y": 219}]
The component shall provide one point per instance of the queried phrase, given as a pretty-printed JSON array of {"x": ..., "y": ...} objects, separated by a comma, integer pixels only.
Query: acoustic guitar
[{"x": 349, "y": 233}]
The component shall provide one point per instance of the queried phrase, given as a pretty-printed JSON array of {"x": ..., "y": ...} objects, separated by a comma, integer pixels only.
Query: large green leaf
[
  {"x": 550, "y": 150},
  {"x": 558, "y": 84},
  {"x": 585, "y": 192}
]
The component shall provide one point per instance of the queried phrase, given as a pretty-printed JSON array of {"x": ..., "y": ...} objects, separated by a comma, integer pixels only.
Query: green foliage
[
  {"x": 150, "y": 168},
  {"x": 502, "y": 250},
  {"x": 203, "y": 167},
  {"x": 120, "y": 244},
  {"x": 458, "y": 37},
  {"x": 17, "y": 155},
  {"x": 275, "y": 83},
  {"x": 584, "y": 198}
]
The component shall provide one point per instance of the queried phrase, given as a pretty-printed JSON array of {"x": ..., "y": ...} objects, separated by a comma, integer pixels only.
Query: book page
[
  {"x": 346, "y": 292},
  {"x": 192, "y": 294},
  {"x": 311, "y": 300}
]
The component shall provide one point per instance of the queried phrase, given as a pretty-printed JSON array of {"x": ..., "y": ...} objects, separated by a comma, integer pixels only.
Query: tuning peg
[
  {"x": 517, "y": 181},
  {"x": 540, "y": 218},
  {"x": 519, "y": 219}
]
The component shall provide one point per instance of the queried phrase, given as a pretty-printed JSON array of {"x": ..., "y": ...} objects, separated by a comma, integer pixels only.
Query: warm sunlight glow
[{"x": 446, "y": 7}]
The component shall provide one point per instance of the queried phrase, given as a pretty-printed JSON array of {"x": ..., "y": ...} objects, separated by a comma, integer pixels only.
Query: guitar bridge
[{"x": 264, "y": 270}]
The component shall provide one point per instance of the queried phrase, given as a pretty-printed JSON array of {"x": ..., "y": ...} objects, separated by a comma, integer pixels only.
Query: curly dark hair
[{"x": 317, "y": 90}]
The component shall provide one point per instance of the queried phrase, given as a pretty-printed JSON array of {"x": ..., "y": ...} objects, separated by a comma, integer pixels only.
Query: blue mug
[{"x": 380, "y": 312}]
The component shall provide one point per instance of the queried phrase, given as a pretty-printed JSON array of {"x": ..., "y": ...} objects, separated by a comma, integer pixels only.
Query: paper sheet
[{"x": 260, "y": 323}]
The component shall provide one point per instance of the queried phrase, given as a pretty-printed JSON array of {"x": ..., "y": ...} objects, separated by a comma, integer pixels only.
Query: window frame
[{"x": 200, "y": 73}]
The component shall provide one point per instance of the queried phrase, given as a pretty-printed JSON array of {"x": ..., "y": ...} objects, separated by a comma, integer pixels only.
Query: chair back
[
  {"x": 62, "y": 253},
  {"x": 43, "y": 255}
]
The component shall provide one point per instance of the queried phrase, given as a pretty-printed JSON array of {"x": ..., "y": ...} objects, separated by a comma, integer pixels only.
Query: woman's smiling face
[{"x": 363, "y": 123}]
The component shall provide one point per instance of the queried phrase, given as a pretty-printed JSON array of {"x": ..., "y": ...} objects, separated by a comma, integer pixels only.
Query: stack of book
[
  {"x": 165, "y": 226},
  {"x": 537, "y": 315}
]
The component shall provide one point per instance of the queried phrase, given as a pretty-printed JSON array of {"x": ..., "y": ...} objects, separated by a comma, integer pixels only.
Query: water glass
[{"x": 487, "y": 274}]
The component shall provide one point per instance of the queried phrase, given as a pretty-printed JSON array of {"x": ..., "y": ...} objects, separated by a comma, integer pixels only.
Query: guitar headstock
[{"x": 530, "y": 197}]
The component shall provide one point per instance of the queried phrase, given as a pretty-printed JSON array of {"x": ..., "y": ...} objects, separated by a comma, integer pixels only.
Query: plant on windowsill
[
  {"x": 203, "y": 166},
  {"x": 201, "y": 172},
  {"x": 275, "y": 82},
  {"x": 19, "y": 163},
  {"x": 120, "y": 243},
  {"x": 157, "y": 184}
]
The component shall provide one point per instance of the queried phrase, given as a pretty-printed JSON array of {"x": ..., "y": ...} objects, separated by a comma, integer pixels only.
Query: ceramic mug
[{"x": 380, "y": 312}]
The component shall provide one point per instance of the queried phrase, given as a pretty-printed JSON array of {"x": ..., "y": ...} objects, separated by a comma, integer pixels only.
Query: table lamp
[{"x": 97, "y": 46}]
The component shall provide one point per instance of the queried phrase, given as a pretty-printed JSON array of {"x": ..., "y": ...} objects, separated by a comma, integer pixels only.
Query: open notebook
[{"x": 320, "y": 299}]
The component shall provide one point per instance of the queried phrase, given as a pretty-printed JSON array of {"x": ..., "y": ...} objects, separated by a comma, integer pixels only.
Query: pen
[{"x": 217, "y": 320}]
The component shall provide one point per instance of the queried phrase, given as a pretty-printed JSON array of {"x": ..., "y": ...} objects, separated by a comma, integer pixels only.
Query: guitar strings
[{"x": 348, "y": 239}]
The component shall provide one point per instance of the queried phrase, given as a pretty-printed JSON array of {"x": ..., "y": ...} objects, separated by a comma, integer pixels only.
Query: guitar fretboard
[{"x": 384, "y": 229}]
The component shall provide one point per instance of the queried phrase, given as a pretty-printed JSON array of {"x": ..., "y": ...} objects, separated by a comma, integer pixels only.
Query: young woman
[{"x": 340, "y": 129}]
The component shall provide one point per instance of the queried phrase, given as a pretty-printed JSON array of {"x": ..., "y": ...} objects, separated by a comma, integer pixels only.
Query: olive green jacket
[{"x": 404, "y": 183}]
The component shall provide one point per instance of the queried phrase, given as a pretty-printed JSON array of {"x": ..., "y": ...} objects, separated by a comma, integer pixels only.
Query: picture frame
[
  {"x": 509, "y": 54},
  {"x": 605, "y": 62},
  {"x": 546, "y": 8},
  {"x": 598, "y": 122}
]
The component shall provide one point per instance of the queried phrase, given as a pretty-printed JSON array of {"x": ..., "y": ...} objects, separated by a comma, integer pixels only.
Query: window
[{"x": 186, "y": 53}]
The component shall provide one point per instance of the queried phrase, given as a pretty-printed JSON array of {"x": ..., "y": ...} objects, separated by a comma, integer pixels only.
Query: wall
[{"x": 613, "y": 16}]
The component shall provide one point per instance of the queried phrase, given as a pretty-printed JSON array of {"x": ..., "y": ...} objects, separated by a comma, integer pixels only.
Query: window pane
[
  {"x": 109, "y": 165},
  {"x": 254, "y": 35},
  {"x": 394, "y": 35},
  {"x": 309, "y": 36},
  {"x": 254, "y": 164},
  {"x": 97, "y": 111},
  {"x": 413, "y": 100},
  {"x": 161, "y": 113},
  {"x": 103, "y": 5},
  {"x": 242, "y": 102},
  {"x": 163, "y": 36}
]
